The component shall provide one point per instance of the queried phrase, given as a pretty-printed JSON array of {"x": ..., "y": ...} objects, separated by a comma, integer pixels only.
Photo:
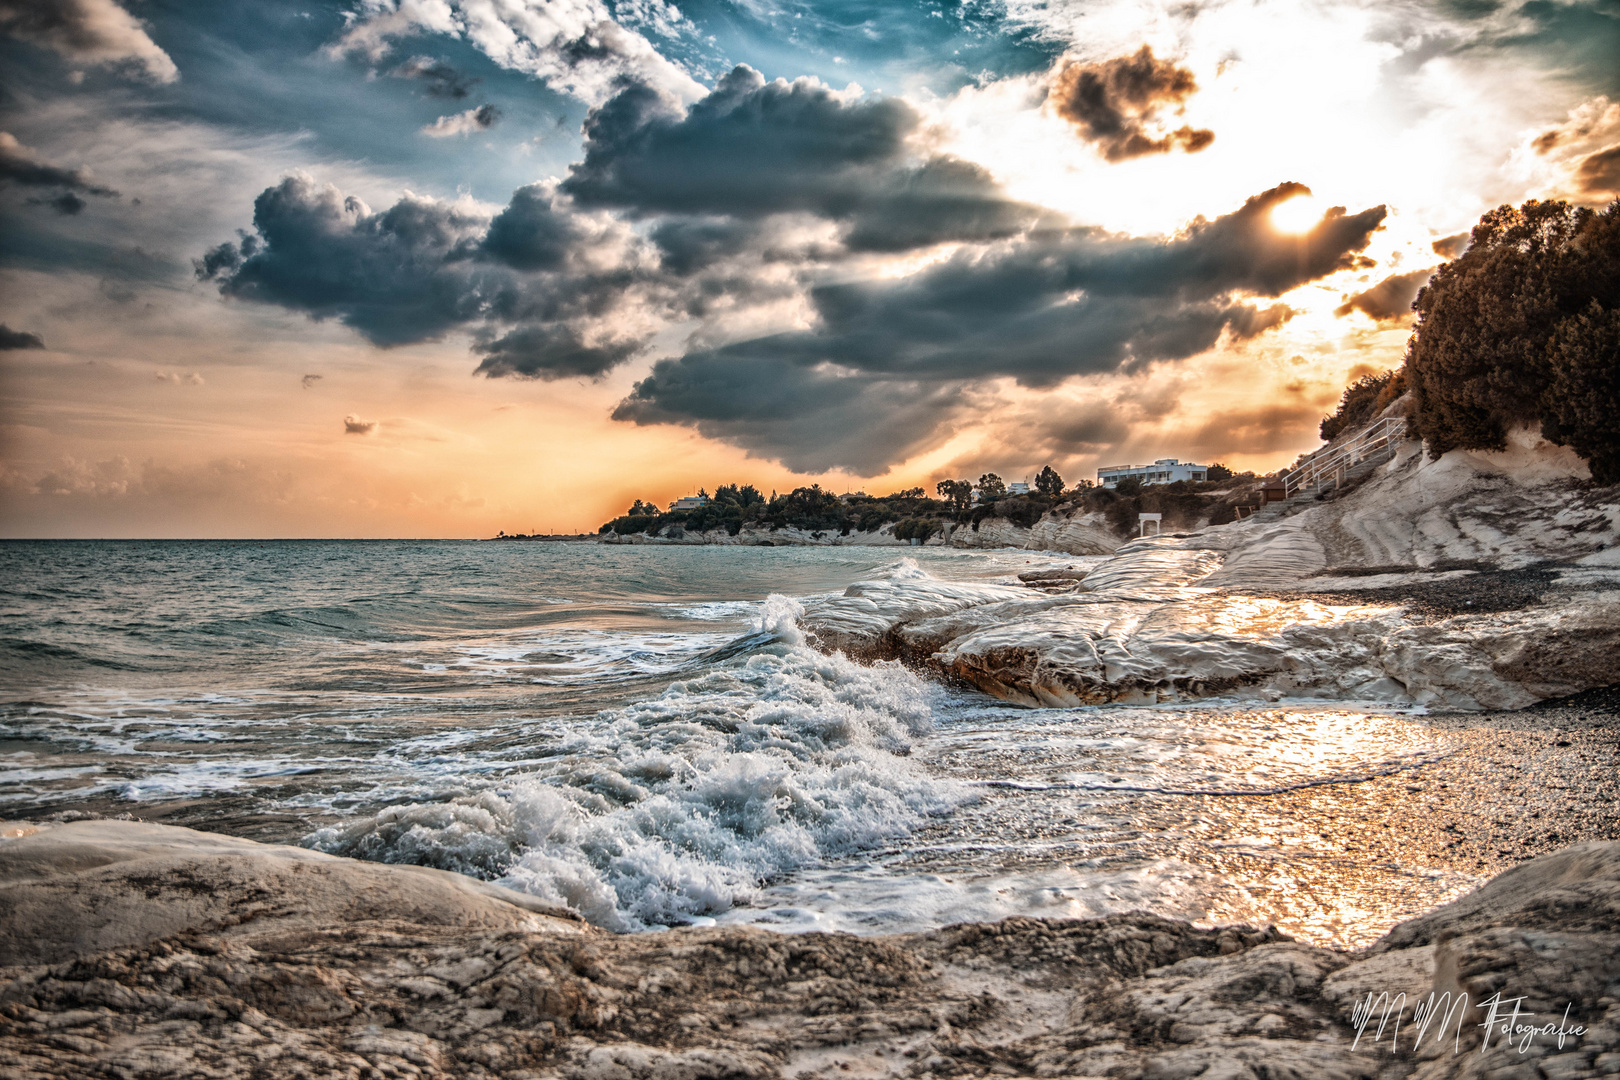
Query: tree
[
  {"x": 1217, "y": 471},
  {"x": 640, "y": 509},
  {"x": 909, "y": 493},
  {"x": 991, "y": 487},
  {"x": 1514, "y": 332},
  {"x": 959, "y": 492},
  {"x": 1049, "y": 483},
  {"x": 1130, "y": 485},
  {"x": 1583, "y": 402},
  {"x": 744, "y": 495}
]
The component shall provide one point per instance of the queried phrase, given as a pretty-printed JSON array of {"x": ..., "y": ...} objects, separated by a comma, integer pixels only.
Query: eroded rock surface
[
  {"x": 1474, "y": 581},
  {"x": 296, "y": 993}
]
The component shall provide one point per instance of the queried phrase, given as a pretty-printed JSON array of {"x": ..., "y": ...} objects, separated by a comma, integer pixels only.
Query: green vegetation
[
  {"x": 1524, "y": 328},
  {"x": 809, "y": 508},
  {"x": 916, "y": 516}
]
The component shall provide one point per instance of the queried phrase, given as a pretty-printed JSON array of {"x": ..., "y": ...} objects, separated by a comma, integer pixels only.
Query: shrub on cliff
[
  {"x": 1521, "y": 330},
  {"x": 1362, "y": 400},
  {"x": 917, "y": 528}
]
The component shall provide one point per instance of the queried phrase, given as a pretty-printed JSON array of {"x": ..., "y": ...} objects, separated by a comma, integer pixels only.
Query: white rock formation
[{"x": 1286, "y": 608}]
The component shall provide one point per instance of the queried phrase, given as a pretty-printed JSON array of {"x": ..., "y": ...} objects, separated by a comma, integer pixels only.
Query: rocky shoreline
[
  {"x": 231, "y": 959},
  {"x": 1474, "y": 581}
]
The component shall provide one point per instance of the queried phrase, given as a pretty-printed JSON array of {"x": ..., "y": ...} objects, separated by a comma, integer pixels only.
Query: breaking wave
[{"x": 677, "y": 808}]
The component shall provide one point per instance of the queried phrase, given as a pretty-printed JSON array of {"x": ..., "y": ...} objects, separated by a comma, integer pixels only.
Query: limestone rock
[{"x": 436, "y": 984}]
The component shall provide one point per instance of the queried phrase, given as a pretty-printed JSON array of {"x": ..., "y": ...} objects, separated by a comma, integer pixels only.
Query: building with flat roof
[
  {"x": 1162, "y": 471},
  {"x": 689, "y": 502}
]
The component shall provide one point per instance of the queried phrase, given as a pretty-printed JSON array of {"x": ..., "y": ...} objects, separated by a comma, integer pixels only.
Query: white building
[
  {"x": 689, "y": 502},
  {"x": 1162, "y": 471},
  {"x": 1019, "y": 488}
]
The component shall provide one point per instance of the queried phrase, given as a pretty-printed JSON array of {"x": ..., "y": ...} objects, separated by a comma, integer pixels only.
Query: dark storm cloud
[
  {"x": 810, "y": 418},
  {"x": 1389, "y": 299},
  {"x": 19, "y": 339},
  {"x": 91, "y": 32},
  {"x": 751, "y": 149},
  {"x": 689, "y": 245},
  {"x": 438, "y": 78},
  {"x": 551, "y": 352},
  {"x": 1084, "y": 429},
  {"x": 25, "y": 167},
  {"x": 66, "y": 203},
  {"x": 1599, "y": 174},
  {"x": 531, "y": 234},
  {"x": 1060, "y": 303},
  {"x": 1449, "y": 247},
  {"x": 422, "y": 268},
  {"x": 405, "y": 274},
  {"x": 1116, "y": 104}
]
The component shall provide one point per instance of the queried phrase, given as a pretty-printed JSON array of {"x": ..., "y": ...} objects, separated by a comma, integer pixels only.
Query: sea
[{"x": 644, "y": 735}]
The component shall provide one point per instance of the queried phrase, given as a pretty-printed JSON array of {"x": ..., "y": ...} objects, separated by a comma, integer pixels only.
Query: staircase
[{"x": 1334, "y": 466}]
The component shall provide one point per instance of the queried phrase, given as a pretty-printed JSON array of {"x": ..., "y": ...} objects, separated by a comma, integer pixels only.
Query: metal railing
[{"x": 1331, "y": 463}]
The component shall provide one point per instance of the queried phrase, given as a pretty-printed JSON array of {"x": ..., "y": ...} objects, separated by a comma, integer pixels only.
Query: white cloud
[
  {"x": 573, "y": 45},
  {"x": 462, "y": 123}
]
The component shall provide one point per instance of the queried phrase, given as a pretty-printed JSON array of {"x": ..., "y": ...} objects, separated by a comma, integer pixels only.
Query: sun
[{"x": 1296, "y": 215}]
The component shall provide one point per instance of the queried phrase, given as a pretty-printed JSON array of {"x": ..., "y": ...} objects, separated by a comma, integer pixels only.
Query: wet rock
[{"x": 301, "y": 993}]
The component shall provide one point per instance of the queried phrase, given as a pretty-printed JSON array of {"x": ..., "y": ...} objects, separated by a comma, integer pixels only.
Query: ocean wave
[{"x": 679, "y": 807}]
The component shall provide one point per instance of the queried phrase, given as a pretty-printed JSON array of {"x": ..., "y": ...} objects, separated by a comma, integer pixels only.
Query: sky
[{"x": 439, "y": 268}]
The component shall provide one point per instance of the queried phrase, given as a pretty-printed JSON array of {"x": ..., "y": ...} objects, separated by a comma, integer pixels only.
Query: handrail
[{"x": 1315, "y": 469}]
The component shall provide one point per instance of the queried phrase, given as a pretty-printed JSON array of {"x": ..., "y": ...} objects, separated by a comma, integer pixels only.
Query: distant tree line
[{"x": 913, "y": 514}]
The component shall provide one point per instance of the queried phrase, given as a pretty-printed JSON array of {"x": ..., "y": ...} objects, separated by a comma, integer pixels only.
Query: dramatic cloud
[
  {"x": 1587, "y": 143},
  {"x": 1597, "y": 118},
  {"x": 92, "y": 33},
  {"x": 437, "y": 77},
  {"x": 422, "y": 268},
  {"x": 462, "y": 123},
  {"x": 1598, "y": 174},
  {"x": 24, "y": 166},
  {"x": 810, "y": 418},
  {"x": 551, "y": 352},
  {"x": 18, "y": 339},
  {"x": 1116, "y": 104},
  {"x": 752, "y": 149},
  {"x": 1061, "y": 303},
  {"x": 66, "y": 203},
  {"x": 353, "y": 425},
  {"x": 573, "y": 45},
  {"x": 1449, "y": 247},
  {"x": 1389, "y": 299}
]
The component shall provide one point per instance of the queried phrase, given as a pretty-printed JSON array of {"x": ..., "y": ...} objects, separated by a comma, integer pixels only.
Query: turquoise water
[{"x": 638, "y": 732}]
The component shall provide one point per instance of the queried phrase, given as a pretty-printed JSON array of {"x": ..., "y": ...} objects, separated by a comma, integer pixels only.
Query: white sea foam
[{"x": 682, "y": 806}]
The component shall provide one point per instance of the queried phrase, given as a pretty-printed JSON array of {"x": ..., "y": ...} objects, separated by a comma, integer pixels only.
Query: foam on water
[
  {"x": 642, "y": 734},
  {"x": 679, "y": 807}
]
